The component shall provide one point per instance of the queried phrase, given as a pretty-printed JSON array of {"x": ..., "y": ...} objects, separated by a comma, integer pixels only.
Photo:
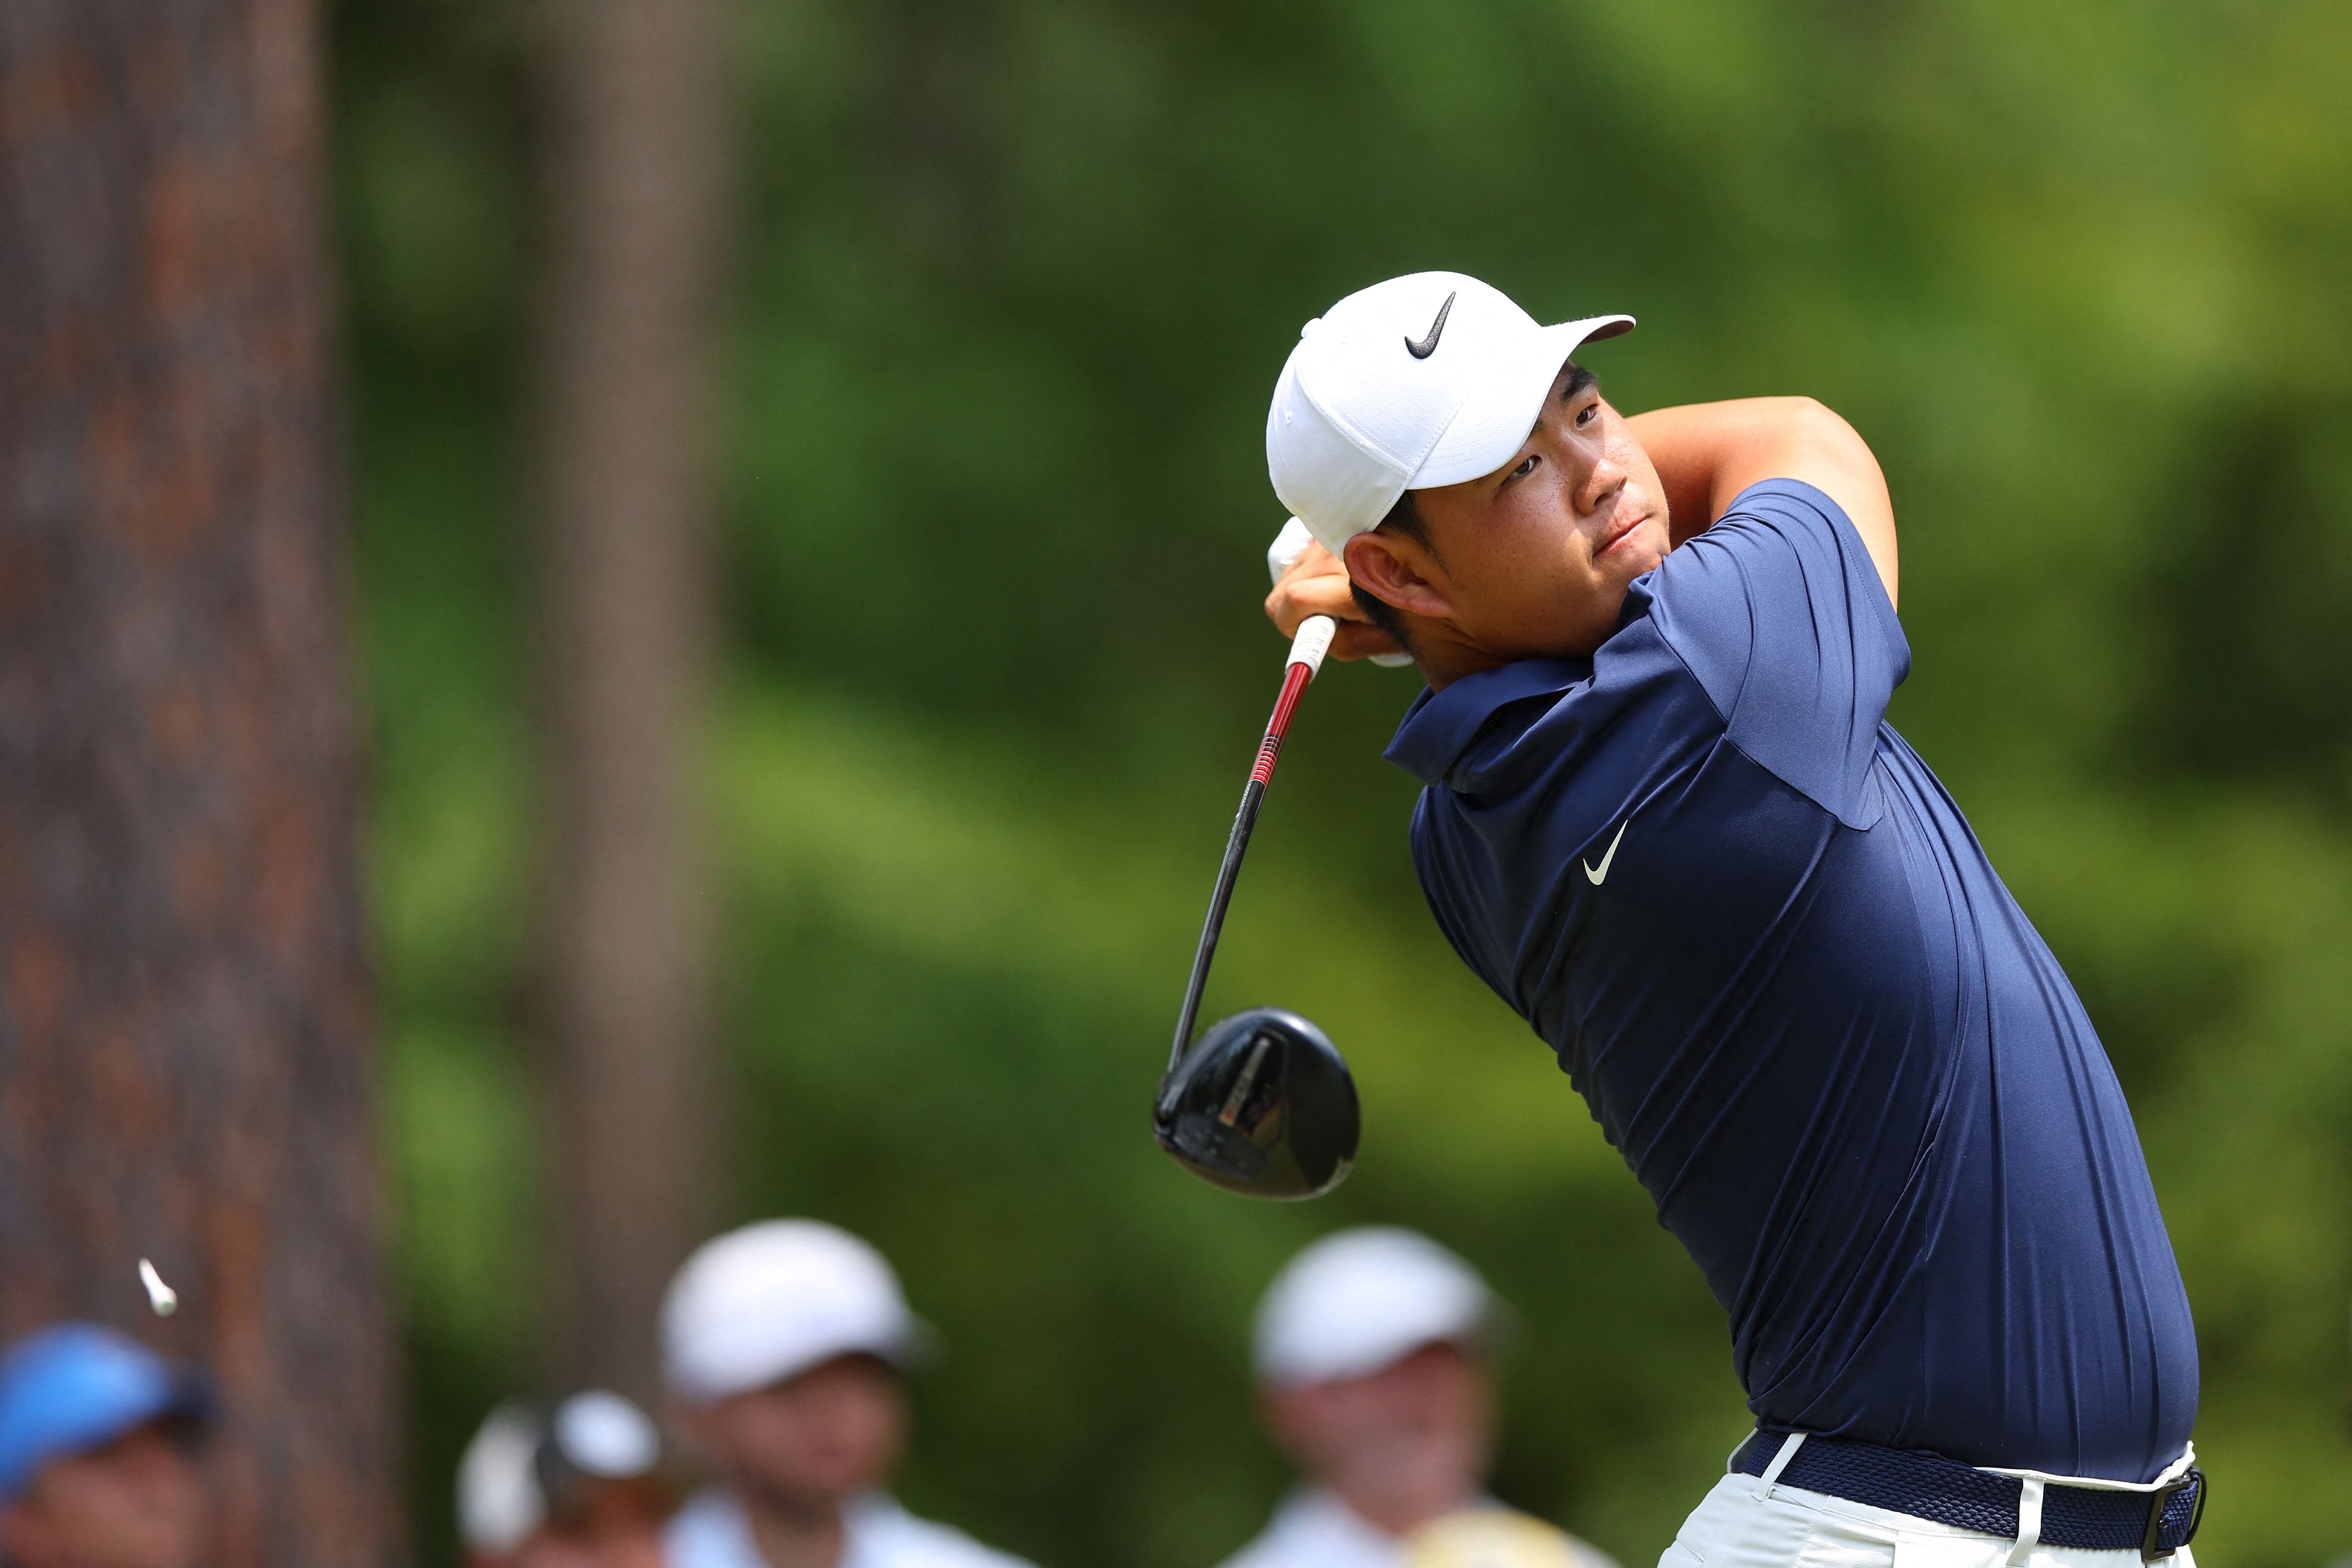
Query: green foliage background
[{"x": 1012, "y": 279}]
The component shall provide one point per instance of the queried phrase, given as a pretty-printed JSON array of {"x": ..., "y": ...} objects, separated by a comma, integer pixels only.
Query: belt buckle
[{"x": 2147, "y": 1548}]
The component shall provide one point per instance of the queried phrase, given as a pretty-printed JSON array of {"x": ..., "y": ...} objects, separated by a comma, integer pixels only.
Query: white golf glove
[{"x": 1284, "y": 553}]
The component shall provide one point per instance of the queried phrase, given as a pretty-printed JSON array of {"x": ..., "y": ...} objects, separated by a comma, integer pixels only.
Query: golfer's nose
[{"x": 1601, "y": 482}]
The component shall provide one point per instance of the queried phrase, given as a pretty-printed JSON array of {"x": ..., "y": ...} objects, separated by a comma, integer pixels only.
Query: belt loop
[
  {"x": 1779, "y": 1462},
  {"x": 2149, "y": 1551},
  {"x": 2029, "y": 1523}
]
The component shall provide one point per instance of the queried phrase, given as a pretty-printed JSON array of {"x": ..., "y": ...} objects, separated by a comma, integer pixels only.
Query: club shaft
[{"x": 1294, "y": 681}]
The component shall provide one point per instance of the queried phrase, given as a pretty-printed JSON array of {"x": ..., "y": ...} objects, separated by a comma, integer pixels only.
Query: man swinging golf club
[{"x": 1665, "y": 819}]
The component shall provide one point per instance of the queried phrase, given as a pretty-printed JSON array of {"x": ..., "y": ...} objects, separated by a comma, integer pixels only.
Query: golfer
[
  {"x": 1373, "y": 1360},
  {"x": 1665, "y": 819}
]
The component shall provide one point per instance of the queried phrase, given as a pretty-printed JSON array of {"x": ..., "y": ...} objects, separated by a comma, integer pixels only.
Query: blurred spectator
[
  {"x": 784, "y": 1344},
  {"x": 579, "y": 1487},
  {"x": 1373, "y": 1351},
  {"x": 96, "y": 1439}
]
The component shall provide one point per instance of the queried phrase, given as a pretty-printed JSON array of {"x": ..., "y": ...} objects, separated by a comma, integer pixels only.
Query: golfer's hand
[{"x": 1317, "y": 584}]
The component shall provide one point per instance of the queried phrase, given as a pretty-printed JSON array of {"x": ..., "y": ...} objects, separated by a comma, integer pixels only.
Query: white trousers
[{"x": 1744, "y": 1525}]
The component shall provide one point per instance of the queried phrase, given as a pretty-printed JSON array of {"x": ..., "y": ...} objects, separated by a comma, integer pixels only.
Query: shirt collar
[
  {"x": 713, "y": 1532},
  {"x": 1339, "y": 1534},
  {"x": 1440, "y": 725},
  {"x": 1315, "y": 1516}
]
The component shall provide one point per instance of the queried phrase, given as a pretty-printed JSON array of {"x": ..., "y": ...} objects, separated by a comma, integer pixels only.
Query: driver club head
[{"x": 1261, "y": 1105}]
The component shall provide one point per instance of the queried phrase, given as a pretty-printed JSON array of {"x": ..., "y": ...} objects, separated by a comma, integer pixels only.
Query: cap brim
[
  {"x": 178, "y": 1397},
  {"x": 1485, "y": 1337},
  {"x": 185, "y": 1403},
  {"x": 1494, "y": 421},
  {"x": 921, "y": 1348},
  {"x": 913, "y": 1348}
]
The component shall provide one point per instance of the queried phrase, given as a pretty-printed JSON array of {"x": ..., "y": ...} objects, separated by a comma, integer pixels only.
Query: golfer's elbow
[
  {"x": 1810, "y": 425},
  {"x": 1815, "y": 443}
]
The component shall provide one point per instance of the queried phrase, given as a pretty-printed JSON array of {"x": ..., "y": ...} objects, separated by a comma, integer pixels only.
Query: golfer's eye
[
  {"x": 1587, "y": 414},
  {"x": 1526, "y": 466}
]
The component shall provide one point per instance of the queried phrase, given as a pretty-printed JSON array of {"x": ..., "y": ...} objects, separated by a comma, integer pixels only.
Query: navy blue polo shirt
[{"x": 1774, "y": 960}]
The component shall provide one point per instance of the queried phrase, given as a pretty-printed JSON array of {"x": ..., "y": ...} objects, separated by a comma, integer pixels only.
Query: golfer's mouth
[{"x": 1621, "y": 529}]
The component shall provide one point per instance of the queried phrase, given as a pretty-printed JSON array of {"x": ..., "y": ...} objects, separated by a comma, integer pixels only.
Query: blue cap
[{"x": 72, "y": 1387}]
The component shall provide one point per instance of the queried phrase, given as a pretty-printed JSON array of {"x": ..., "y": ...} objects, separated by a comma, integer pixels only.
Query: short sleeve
[{"x": 1778, "y": 611}]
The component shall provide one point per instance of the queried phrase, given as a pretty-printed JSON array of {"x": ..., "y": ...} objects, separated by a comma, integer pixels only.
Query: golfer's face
[{"x": 1536, "y": 555}]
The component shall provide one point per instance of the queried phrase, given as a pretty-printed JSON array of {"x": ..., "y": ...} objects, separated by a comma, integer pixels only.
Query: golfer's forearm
[
  {"x": 1684, "y": 444},
  {"x": 1707, "y": 453}
]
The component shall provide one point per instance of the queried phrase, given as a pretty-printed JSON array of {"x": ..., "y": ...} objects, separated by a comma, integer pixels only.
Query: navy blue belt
[{"x": 1929, "y": 1486}]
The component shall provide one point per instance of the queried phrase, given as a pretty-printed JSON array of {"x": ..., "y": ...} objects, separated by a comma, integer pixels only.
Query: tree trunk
[
  {"x": 633, "y": 179},
  {"x": 184, "y": 1069}
]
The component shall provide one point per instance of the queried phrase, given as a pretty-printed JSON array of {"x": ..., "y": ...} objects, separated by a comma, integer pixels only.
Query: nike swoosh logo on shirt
[
  {"x": 1428, "y": 345},
  {"x": 1598, "y": 877}
]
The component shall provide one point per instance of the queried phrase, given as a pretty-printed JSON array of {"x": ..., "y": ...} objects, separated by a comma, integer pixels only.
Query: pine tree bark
[
  {"x": 633, "y": 181},
  {"x": 184, "y": 1033}
]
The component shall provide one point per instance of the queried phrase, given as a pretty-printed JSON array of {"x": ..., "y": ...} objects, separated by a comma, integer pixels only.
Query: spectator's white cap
[
  {"x": 1361, "y": 1300},
  {"x": 504, "y": 1480},
  {"x": 756, "y": 1305},
  {"x": 1423, "y": 381},
  {"x": 601, "y": 1434},
  {"x": 498, "y": 1500}
]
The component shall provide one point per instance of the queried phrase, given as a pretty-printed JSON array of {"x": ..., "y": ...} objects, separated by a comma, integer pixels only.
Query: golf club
[{"x": 1262, "y": 1104}]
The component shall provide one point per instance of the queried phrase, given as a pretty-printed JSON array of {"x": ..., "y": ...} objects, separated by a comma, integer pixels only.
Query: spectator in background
[
  {"x": 97, "y": 1434},
  {"x": 784, "y": 1344},
  {"x": 1372, "y": 1353},
  {"x": 577, "y": 1487}
]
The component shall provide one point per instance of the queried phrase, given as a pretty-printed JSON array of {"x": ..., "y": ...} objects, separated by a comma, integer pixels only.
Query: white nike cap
[
  {"x": 1364, "y": 1298},
  {"x": 1423, "y": 381},
  {"x": 758, "y": 1305}
]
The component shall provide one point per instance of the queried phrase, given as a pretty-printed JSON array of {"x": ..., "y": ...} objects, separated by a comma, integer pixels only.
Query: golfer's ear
[{"x": 1391, "y": 571}]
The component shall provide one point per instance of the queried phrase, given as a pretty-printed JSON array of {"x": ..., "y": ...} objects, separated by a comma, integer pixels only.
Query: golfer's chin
[
  {"x": 1596, "y": 617},
  {"x": 1629, "y": 550}
]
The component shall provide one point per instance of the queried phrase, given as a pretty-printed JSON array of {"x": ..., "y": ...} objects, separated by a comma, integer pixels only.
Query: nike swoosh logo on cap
[
  {"x": 1597, "y": 877},
  {"x": 1428, "y": 345}
]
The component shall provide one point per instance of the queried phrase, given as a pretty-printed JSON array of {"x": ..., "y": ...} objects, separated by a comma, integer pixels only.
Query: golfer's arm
[{"x": 1707, "y": 453}]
